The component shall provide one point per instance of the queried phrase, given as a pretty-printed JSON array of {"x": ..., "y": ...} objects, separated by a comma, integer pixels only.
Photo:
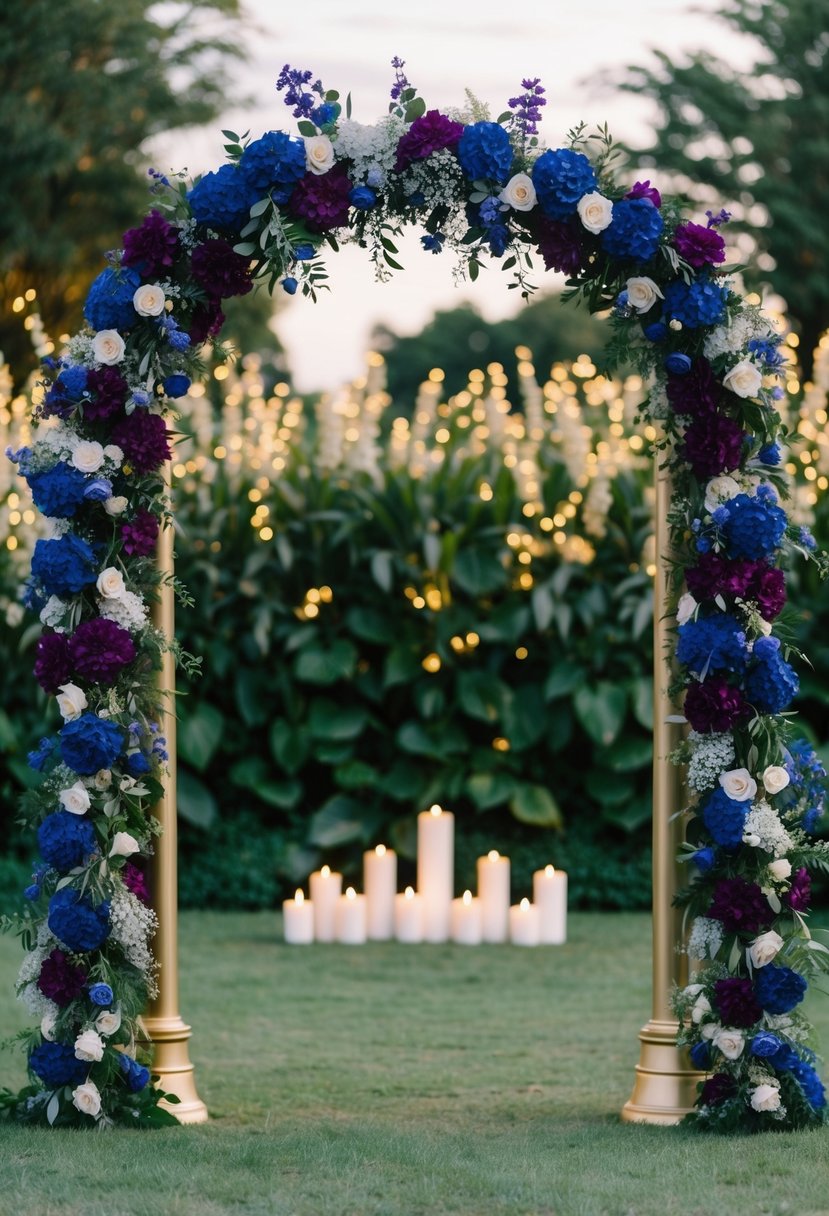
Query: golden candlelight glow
[
  {"x": 431, "y": 663},
  {"x": 493, "y": 855},
  {"x": 351, "y": 893},
  {"x": 325, "y": 871},
  {"x": 549, "y": 871},
  {"x": 467, "y": 898},
  {"x": 380, "y": 850},
  {"x": 435, "y": 810},
  {"x": 525, "y": 905},
  {"x": 300, "y": 896},
  {"x": 408, "y": 893}
]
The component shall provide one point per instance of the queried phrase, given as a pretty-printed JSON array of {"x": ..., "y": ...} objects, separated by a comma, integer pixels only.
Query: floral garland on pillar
[{"x": 477, "y": 187}]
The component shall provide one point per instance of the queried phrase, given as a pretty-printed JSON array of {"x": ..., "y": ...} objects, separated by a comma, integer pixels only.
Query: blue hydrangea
[
  {"x": 98, "y": 490},
  {"x": 135, "y": 1074},
  {"x": 363, "y": 198},
  {"x": 725, "y": 818},
  {"x": 770, "y": 454},
  {"x": 779, "y": 989},
  {"x": 56, "y": 1064},
  {"x": 90, "y": 743},
  {"x": 109, "y": 303},
  {"x": 58, "y": 491},
  {"x": 101, "y": 994},
  {"x": 810, "y": 1083},
  {"x": 807, "y": 778},
  {"x": 561, "y": 177},
  {"x": 700, "y": 1055},
  {"x": 43, "y": 753},
  {"x": 176, "y": 385},
  {"x": 772, "y": 683},
  {"x": 223, "y": 199},
  {"x": 64, "y": 566},
  {"x": 77, "y": 922},
  {"x": 634, "y": 232},
  {"x": 755, "y": 527},
  {"x": 273, "y": 165},
  {"x": 65, "y": 840},
  {"x": 712, "y": 643},
  {"x": 704, "y": 859},
  {"x": 485, "y": 152},
  {"x": 137, "y": 764},
  {"x": 765, "y": 1045},
  {"x": 701, "y": 302}
]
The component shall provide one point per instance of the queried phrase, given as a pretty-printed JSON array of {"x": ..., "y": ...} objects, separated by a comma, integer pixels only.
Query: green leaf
[
  {"x": 401, "y": 666},
  {"x": 536, "y": 805},
  {"x": 289, "y": 746},
  {"x": 415, "y": 738},
  {"x": 340, "y": 821},
  {"x": 326, "y": 665},
  {"x": 327, "y": 720},
  {"x": 524, "y": 717},
  {"x": 251, "y": 698},
  {"x": 306, "y": 128},
  {"x": 430, "y": 698},
  {"x": 196, "y": 804},
  {"x": 629, "y": 753},
  {"x": 381, "y": 570},
  {"x": 631, "y": 814},
  {"x": 601, "y": 710},
  {"x": 543, "y": 607},
  {"x": 356, "y": 775},
  {"x": 199, "y": 732},
  {"x": 415, "y": 109},
  {"x": 245, "y": 248},
  {"x": 563, "y": 679},
  {"x": 478, "y": 572},
  {"x": 8, "y": 735},
  {"x": 608, "y": 789},
  {"x": 371, "y": 625},
  {"x": 253, "y": 773},
  {"x": 260, "y": 208},
  {"x": 641, "y": 700},
  {"x": 490, "y": 789},
  {"x": 481, "y": 695}
]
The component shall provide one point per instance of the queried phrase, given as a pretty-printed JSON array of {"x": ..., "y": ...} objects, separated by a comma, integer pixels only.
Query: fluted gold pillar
[
  {"x": 665, "y": 1086},
  {"x": 163, "y": 1022}
]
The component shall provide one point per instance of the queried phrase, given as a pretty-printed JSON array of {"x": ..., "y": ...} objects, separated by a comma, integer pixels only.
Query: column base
[
  {"x": 666, "y": 1085},
  {"x": 171, "y": 1061}
]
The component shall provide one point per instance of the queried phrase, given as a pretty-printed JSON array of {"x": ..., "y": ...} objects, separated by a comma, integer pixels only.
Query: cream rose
[
  {"x": 102, "y": 779},
  {"x": 595, "y": 212},
  {"x": 519, "y": 193},
  {"x": 702, "y": 1006},
  {"x": 780, "y": 869},
  {"x": 719, "y": 490},
  {"x": 319, "y": 153},
  {"x": 775, "y": 778},
  {"x": 75, "y": 799},
  {"x": 642, "y": 293},
  {"x": 87, "y": 1099},
  {"x": 123, "y": 845},
  {"x": 744, "y": 379},
  {"x": 739, "y": 784},
  {"x": 108, "y": 346},
  {"x": 764, "y": 948},
  {"x": 88, "y": 456},
  {"x": 710, "y": 1029},
  {"x": 108, "y": 1021},
  {"x": 115, "y": 505},
  {"x": 765, "y": 1097},
  {"x": 71, "y": 701},
  {"x": 729, "y": 1042},
  {"x": 686, "y": 608},
  {"x": 110, "y": 584},
  {"x": 149, "y": 300},
  {"x": 89, "y": 1046}
]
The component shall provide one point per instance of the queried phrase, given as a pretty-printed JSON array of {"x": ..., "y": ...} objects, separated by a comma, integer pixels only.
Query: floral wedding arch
[{"x": 476, "y": 187}]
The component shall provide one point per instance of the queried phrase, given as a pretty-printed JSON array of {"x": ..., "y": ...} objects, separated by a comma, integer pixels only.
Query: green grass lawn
[{"x": 389, "y": 1080}]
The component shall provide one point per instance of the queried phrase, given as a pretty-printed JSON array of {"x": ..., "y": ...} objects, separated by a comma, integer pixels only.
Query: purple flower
[
  {"x": 206, "y": 321},
  {"x": 714, "y": 706},
  {"x": 400, "y": 81},
  {"x": 107, "y": 393},
  {"x": 221, "y": 272},
  {"x": 713, "y": 444},
  {"x": 140, "y": 534},
  {"x": 717, "y": 1089},
  {"x": 699, "y": 246},
  {"x": 152, "y": 247},
  {"x": 560, "y": 243},
  {"x": 135, "y": 880},
  {"x": 735, "y": 1002},
  {"x": 52, "y": 664},
  {"x": 741, "y": 907},
  {"x": 100, "y": 649},
  {"x": 143, "y": 438},
  {"x": 292, "y": 81},
  {"x": 60, "y": 980},
  {"x": 799, "y": 895},
  {"x": 768, "y": 590},
  {"x": 779, "y": 989},
  {"x": 431, "y": 132},
  {"x": 527, "y": 107},
  {"x": 645, "y": 190},
  {"x": 322, "y": 200}
]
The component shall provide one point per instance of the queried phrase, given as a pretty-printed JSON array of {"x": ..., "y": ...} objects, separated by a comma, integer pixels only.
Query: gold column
[
  {"x": 163, "y": 1022},
  {"x": 665, "y": 1085}
]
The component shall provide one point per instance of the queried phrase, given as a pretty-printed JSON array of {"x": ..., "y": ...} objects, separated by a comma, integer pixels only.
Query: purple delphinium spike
[
  {"x": 400, "y": 81},
  {"x": 528, "y": 106},
  {"x": 293, "y": 80},
  {"x": 714, "y": 221}
]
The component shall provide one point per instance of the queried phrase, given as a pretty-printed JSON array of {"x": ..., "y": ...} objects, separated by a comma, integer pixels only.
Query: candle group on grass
[{"x": 429, "y": 914}]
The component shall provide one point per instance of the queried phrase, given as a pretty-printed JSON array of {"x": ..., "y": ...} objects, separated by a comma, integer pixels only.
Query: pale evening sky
[{"x": 447, "y": 45}]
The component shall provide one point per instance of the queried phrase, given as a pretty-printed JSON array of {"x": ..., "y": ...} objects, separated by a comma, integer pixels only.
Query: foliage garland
[{"x": 95, "y": 471}]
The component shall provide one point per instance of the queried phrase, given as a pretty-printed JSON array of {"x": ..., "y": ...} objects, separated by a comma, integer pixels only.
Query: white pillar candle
[
  {"x": 466, "y": 920},
  {"x": 350, "y": 919},
  {"x": 493, "y": 892},
  {"x": 550, "y": 897},
  {"x": 326, "y": 888},
  {"x": 408, "y": 916},
  {"x": 380, "y": 884},
  {"x": 298, "y": 920},
  {"x": 436, "y": 870},
  {"x": 523, "y": 924}
]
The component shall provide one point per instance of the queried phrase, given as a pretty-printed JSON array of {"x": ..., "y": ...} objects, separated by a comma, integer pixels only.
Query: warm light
[
  {"x": 351, "y": 893},
  {"x": 525, "y": 905},
  {"x": 312, "y": 596},
  {"x": 325, "y": 871},
  {"x": 467, "y": 898},
  {"x": 549, "y": 871},
  {"x": 418, "y": 602},
  {"x": 409, "y": 893},
  {"x": 435, "y": 810},
  {"x": 500, "y": 744},
  {"x": 493, "y": 855},
  {"x": 311, "y": 610},
  {"x": 472, "y": 639},
  {"x": 521, "y": 652},
  {"x": 431, "y": 663},
  {"x": 326, "y": 594},
  {"x": 380, "y": 850},
  {"x": 221, "y": 373},
  {"x": 300, "y": 896}
]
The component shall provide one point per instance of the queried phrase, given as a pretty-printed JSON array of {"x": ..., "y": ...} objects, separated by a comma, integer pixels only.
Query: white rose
[
  {"x": 89, "y": 1046},
  {"x": 764, "y": 627},
  {"x": 123, "y": 845},
  {"x": 149, "y": 300},
  {"x": 595, "y": 212},
  {"x": 519, "y": 193},
  {"x": 47, "y": 1026},
  {"x": 775, "y": 778},
  {"x": 701, "y": 1006},
  {"x": 114, "y": 453},
  {"x": 102, "y": 779},
  {"x": 319, "y": 153},
  {"x": 710, "y": 1029},
  {"x": 75, "y": 799},
  {"x": 780, "y": 869},
  {"x": 108, "y": 1021},
  {"x": 692, "y": 990},
  {"x": 108, "y": 346},
  {"x": 744, "y": 379},
  {"x": 766, "y": 1097},
  {"x": 87, "y": 1099},
  {"x": 729, "y": 1042},
  {"x": 642, "y": 293},
  {"x": 686, "y": 608},
  {"x": 88, "y": 456},
  {"x": 719, "y": 490},
  {"x": 115, "y": 505},
  {"x": 110, "y": 583},
  {"x": 71, "y": 701},
  {"x": 739, "y": 784},
  {"x": 764, "y": 948}
]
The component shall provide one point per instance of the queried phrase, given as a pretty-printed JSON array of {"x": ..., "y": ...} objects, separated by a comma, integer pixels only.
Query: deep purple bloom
[
  {"x": 715, "y": 575},
  {"x": 779, "y": 989},
  {"x": 100, "y": 649},
  {"x": 699, "y": 246},
  {"x": 725, "y": 818},
  {"x": 697, "y": 393},
  {"x": 561, "y": 244},
  {"x": 52, "y": 665},
  {"x": 206, "y": 321},
  {"x": 60, "y": 980},
  {"x": 221, "y": 272},
  {"x": 713, "y": 705},
  {"x": 741, "y": 906},
  {"x": 135, "y": 880},
  {"x": 429, "y": 133},
  {"x": 717, "y": 1089},
  {"x": 77, "y": 922},
  {"x": 143, "y": 439},
  {"x": 152, "y": 247},
  {"x": 768, "y": 590},
  {"x": 634, "y": 231},
  {"x": 645, "y": 190},
  {"x": 713, "y": 444},
  {"x": 107, "y": 393},
  {"x": 322, "y": 200},
  {"x": 561, "y": 177},
  {"x": 799, "y": 894},
  {"x": 56, "y": 1064},
  {"x": 735, "y": 1002},
  {"x": 140, "y": 534}
]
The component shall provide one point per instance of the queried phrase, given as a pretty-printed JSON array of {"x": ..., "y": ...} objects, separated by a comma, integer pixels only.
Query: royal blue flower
[
  {"x": 807, "y": 780},
  {"x": 765, "y": 1045},
  {"x": 109, "y": 303},
  {"x": 363, "y": 198},
  {"x": 135, "y": 1074},
  {"x": 56, "y": 1064},
  {"x": 755, "y": 527},
  {"x": 72, "y": 382},
  {"x": 178, "y": 339},
  {"x": 98, "y": 490},
  {"x": 433, "y": 241},
  {"x": 100, "y": 994},
  {"x": 39, "y": 758},
  {"x": 223, "y": 199},
  {"x": 273, "y": 164},
  {"x": 137, "y": 764},
  {"x": 31, "y": 892},
  {"x": 677, "y": 364},
  {"x": 65, "y": 840},
  {"x": 90, "y": 743},
  {"x": 327, "y": 112},
  {"x": 65, "y": 565},
  {"x": 498, "y": 238},
  {"x": 807, "y": 539},
  {"x": 700, "y": 1055},
  {"x": 701, "y": 302},
  {"x": 59, "y": 490},
  {"x": 810, "y": 1083},
  {"x": 561, "y": 177},
  {"x": 772, "y": 683},
  {"x": 779, "y": 989},
  {"x": 485, "y": 152},
  {"x": 634, "y": 231},
  {"x": 725, "y": 818},
  {"x": 770, "y": 454},
  {"x": 704, "y": 859},
  {"x": 304, "y": 253},
  {"x": 77, "y": 922},
  {"x": 657, "y": 331},
  {"x": 177, "y": 385},
  {"x": 289, "y": 285},
  {"x": 713, "y": 643}
]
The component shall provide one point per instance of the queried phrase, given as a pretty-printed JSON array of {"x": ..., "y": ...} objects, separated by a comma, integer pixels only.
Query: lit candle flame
[
  {"x": 409, "y": 893},
  {"x": 549, "y": 871},
  {"x": 493, "y": 855},
  {"x": 300, "y": 896},
  {"x": 436, "y": 810},
  {"x": 467, "y": 898},
  {"x": 380, "y": 850},
  {"x": 525, "y": 905},
  {"x": 325, "y": 871},
  {"x": 351, "y": 893}
]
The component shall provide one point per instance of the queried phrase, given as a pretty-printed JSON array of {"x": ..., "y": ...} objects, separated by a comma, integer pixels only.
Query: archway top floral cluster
[{"x": 95, "y": 471}]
